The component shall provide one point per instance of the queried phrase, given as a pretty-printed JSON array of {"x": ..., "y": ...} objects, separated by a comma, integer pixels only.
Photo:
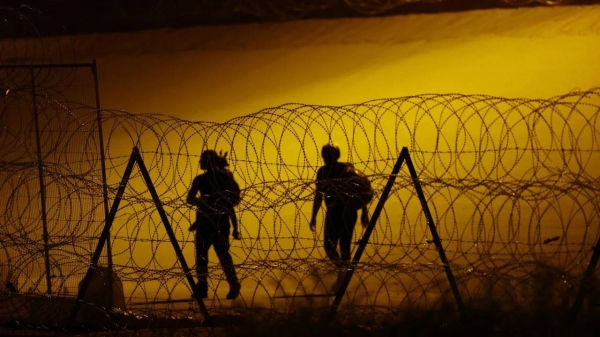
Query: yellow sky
[{"x": 217, "y": 73}]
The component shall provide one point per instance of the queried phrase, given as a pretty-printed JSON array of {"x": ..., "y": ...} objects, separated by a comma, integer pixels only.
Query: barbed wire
[{"x": 511, "y": 184}]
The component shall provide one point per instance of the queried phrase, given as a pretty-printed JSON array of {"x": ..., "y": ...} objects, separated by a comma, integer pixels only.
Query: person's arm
[
  {"x": 364, "y": 217},
  {"x": 236, "y": 190},
  {"x": 315, "y": 210},
  {"x": 192, "y": 196},
  {"x": 318, "y": 200},
  {"x": 234, "y": 224},
  {"x": 193, "y": 200}
]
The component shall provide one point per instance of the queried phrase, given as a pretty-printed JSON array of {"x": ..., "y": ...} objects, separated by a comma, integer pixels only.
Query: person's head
[
  {"x": 330, "y": 153},
  {"x": 209, "y": 160}
]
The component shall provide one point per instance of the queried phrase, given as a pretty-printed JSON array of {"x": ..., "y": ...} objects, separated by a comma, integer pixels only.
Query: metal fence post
[
  {"x": 104, "y": 183},
  {"x": 40, "y": 165}
]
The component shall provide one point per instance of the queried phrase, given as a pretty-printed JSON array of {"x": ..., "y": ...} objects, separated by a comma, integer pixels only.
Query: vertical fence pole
[
  {"x": 104, "y": 183},
  {"x": 169, "y": 229},
  {"x": 42, "y": 184},
  {"x": 436, "y": 238},
  {"x": 572, "y": 313},
  {"x": 103, "y": 237},
  {"x": 365, "y": 239}
]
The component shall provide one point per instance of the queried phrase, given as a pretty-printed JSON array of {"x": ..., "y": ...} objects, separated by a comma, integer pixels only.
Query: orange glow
[{"x": 531, "y": 53}]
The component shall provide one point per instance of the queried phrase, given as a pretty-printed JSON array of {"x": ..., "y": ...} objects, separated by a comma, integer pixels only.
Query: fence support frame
[
  {"x": 403, "y": 157},
  {"x": 133, "y": 159},
  {"x": 40, "y": 157}
]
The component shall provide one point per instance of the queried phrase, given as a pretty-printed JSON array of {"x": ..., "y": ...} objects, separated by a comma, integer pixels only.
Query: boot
[
  {"x": 338, "y": 281},
  {"x": 234, "y": 290},
  {"x": 202, "y": 289}
]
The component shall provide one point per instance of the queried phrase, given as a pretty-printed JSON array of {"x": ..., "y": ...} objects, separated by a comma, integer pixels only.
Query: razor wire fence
[{"x": 511, "y": 185}]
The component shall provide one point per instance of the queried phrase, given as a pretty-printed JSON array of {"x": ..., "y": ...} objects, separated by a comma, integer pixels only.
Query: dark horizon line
[{"x": 69, "y": 17}]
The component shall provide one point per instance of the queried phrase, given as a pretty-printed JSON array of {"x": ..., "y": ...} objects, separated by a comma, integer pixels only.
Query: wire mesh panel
[{"x": 52, "y": 201}]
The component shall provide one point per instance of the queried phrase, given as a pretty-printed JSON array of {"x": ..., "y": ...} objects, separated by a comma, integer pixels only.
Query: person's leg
[
  {"x": 221, "y": 245},
  {"x": 334, "y": 229},
  {"x": 332, "y": 234},
  {"x": 203, "y": 243},
  {"x": 349, "y": 218}
]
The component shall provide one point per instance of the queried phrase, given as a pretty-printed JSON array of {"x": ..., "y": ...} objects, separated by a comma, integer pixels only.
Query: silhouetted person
[
  {"x": 218, "y": 192},
  {"x": 223, "y": 164},
  {"x": 341, "y": 216}
]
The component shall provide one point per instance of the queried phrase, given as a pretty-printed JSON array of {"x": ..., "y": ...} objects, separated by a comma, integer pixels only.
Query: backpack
[
  {"x": 235, "y": 197},
  {"x": 357, "y": 188},
  {"x": 222, "y": 200}
]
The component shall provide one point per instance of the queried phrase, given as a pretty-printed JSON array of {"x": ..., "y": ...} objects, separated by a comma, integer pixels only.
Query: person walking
[
  {"x": 335, "y": 183},
  {"x": 214, "y": 193}
]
